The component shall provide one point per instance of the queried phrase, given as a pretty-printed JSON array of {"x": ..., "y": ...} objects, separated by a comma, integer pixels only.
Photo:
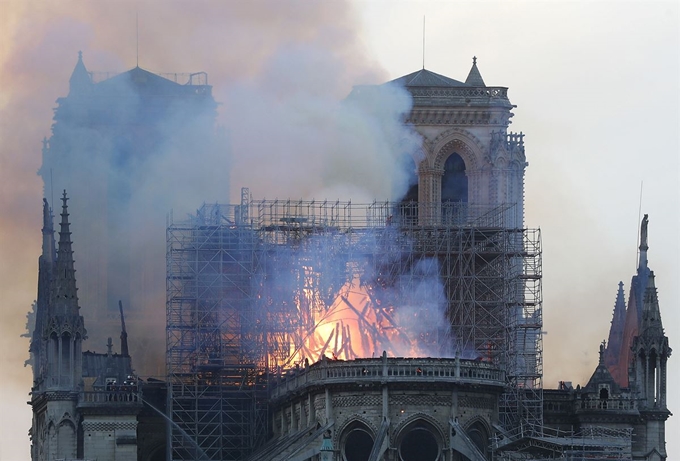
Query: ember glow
[
  {"x": 354, "y": 326},
  {"x": 362, "y": 318}
]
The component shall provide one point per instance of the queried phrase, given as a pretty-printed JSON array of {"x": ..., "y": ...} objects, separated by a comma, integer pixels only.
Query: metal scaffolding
[
  {"x": 215, "y": 394},
  {"x": 260, "y": 287}
]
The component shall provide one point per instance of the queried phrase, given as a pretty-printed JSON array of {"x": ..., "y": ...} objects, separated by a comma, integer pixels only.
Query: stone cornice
[
  {"x": 465, "y": 116},
  {"x": 655, "y": 414},
  {"x": 109, "y": 425}
]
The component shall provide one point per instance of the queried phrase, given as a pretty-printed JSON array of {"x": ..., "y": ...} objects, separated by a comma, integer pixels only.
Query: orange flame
[{"x": 353, "y": 326}]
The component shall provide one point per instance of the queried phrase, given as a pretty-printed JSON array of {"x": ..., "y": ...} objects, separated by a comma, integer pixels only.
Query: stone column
[
  {"x": 663, "y": 382},
  {"x": 657, "y": 400},
  {"x": 310, "y": 410},
  {"x": 72, "y": 364},
  {"x": 329, "y": 405},
  {"x": 59, "y": 366},
  {"x": 429, "y": 195}
]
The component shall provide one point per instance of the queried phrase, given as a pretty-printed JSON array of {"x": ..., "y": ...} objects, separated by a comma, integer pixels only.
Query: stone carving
[
  {"x": 357, "y": 400},
  {"x": 428, "y": 400},
  {"x": 109, "y": 425},
  {"x": 476, "y": 402},
  {"x": 463, "y": 136}
]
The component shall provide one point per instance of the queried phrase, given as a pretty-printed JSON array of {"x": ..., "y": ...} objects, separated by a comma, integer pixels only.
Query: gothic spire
[
  {"x": 474, "y": 78},
  {"x": 651, "y": 316},
  {"x": 64, "y": 293},
  {"x": 48, "y": 247},
  {"x": 45, "y": 271},
  {"x": 80, "y": 81},
  {"x": 616, "y": 330},
  {"x": 124, "y": 351}
]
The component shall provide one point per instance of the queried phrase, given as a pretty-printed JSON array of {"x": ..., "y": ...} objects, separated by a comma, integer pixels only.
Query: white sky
[{"x": 597, "y": 90}]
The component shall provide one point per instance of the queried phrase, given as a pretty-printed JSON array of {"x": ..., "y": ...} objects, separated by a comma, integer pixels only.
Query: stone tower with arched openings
[{"x": 471, "y": 161}]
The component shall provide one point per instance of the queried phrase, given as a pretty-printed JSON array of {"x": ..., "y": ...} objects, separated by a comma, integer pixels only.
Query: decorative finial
[
  {"x": 602, "y": 348},
  {"x": 474, "y": 60},
  {"x": 80, "y": 55}
]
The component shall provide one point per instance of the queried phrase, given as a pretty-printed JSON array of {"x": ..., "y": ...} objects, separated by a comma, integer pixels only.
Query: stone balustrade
[
  {"x": 612, "y": 404},
  {"x": 461, "y": 95},
  {"x": 386, "y": 370},
  {"x": 117, "y": 397}
]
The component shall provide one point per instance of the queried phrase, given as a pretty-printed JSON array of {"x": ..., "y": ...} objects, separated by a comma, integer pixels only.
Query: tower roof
[
  {"x": 429, "y": 89},
  {"x": 474, "y": 78},
  {"x": 426, "y": 78},
  {"x": 143, "y": 80}
]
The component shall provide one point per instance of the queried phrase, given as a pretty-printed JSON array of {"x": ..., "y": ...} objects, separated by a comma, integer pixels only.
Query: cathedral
[{"x": 291, "y": 325}]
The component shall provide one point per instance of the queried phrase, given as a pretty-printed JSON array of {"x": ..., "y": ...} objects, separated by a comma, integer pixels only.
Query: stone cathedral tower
[
  {"x": 56, "y": 347},
  {"x": 470, "y": 158}
]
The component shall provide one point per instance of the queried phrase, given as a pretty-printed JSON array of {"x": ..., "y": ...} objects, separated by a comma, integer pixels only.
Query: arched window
[
  {"x": 357, "y": 442},
  {"x": 454, "y": 191},
  {"x": 480, "y": 437},
  {"x": 66, "y": 345},
  {"x": 419, "y": 442},
  {"x": 454, "y": 182}
]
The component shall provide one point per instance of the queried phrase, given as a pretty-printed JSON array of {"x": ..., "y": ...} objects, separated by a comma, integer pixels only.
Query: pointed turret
[
  {"x": 474, "y": 78},
  {"x": 45, "y": 270},
  {"x": 64, "y": 299},
  {"x": 48, "y": 247},
  {"x": 651, "y": 354},
  {"x": 612, "y": 354},
  {"x": 651, "y": 326},
  {"x": 638, "y": 286},
  {"x": 602, "y": 378},
  {"x": 650, "y": 348},
  {"x": 124, "y": 351},
  {"x": 80, "y": 81}
]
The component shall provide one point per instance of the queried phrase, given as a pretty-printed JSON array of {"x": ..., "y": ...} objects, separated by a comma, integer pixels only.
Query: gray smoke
[{"x": 284, "y": 128}]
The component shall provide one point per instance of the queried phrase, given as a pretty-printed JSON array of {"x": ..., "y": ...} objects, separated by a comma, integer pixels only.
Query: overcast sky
[{"x": 596, "y": 86}]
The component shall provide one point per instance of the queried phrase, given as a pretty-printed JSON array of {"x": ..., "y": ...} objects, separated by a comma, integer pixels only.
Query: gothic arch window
[
  {"x": 419, "y": 441},
  {"x": 356, "y": 442},
  {"x": 604, "y": 392},
  {"x": 479, "y": 435},
  {"x": 66, "y": 439},
  {"x": 66, "y": 346},
  {"x": 454, "y": 182},
  {"x": 454, "y": 190}
]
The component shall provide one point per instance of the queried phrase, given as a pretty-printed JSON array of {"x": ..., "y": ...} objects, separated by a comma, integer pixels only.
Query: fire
[{"x": 353, "y": 326}]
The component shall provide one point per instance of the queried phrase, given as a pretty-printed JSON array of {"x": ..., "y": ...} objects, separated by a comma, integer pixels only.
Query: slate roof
[{"x": 426, "y": 78}]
